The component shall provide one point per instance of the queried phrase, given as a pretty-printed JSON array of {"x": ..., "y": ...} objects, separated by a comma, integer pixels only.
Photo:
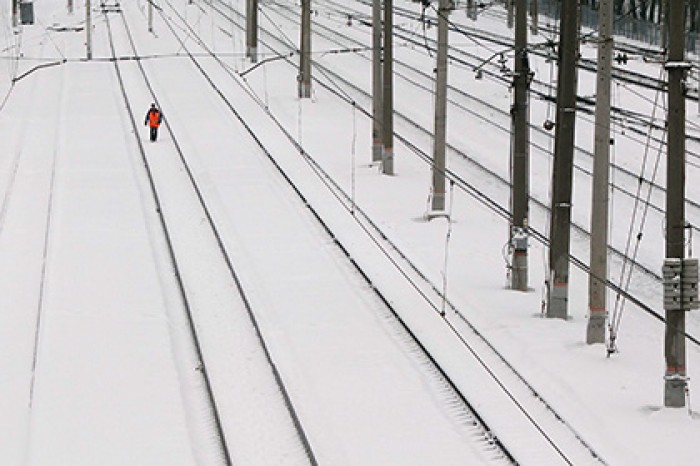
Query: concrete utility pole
[
  {"x": 377, "y": 142},
  {"x": 70, "y": 6},
  {"x": 597, "y": 289},
  {"x": 440, "y": 130},
  {"x": 305, "y": 55},
  {"x": 510, "y": 6},
  {"x": 150, "y": 15},
  {"x": 521, "y": 152},
  {"x": 15, "y": 13},
  {"x": 252, "y": 30},
  {"x": 88, "y": 29},
  {"x": 388, "y": 90},
  {"x": 664, "y": 24},
  {"x": 557, "y": 298},
  {"x": 471, "y": 9},
  {"x": 677, "y": 68},
  {"x": 535, "y": 16}
]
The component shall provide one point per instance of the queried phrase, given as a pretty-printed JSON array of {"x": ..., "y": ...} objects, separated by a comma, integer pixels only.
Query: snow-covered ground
[{"x": 96, "y": 364}]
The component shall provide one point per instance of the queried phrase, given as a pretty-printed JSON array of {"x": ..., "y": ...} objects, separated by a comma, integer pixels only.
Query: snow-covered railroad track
[
  {"x": 488, "y": 187},
  {"x": 635, "y": 125},
  {"x": 346, "y": 291},
  {"x": 626, "y": 182},
  {"x": 523, "y": 415},
  {"x": 646, "y": 195},
  {"x": 541, "y": 46},
  {"x": 27, "y": 187},
  {"x": 214, "y": 247},
  {"x": 230, "y": 414}
]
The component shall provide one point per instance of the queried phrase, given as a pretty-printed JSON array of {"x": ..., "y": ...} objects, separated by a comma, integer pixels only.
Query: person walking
[{"x": 153, "y": 119}]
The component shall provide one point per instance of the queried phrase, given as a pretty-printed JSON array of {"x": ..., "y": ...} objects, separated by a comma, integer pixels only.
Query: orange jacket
[{"x": 153, "y": 118}]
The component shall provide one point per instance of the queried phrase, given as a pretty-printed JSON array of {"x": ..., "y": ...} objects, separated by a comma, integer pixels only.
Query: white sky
[{"x": 110, "y": 376}]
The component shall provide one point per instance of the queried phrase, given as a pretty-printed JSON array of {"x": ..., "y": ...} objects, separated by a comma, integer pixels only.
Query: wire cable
[{"x": 627, "y": 270}]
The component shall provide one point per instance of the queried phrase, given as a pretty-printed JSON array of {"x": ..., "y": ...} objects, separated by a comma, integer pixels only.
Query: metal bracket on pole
[
  {"x": 680, "y": 284},
  {"x": 684, "y": 65},
  {"x": 268, "y": 60},
  {"x": 519, "y": 239},
  {"x": 519, "y": 243},
  {"x": 501, "y": 59}
]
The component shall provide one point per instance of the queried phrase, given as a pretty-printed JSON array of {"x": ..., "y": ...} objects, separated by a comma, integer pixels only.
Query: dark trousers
[{"x": 154, "y": 133}]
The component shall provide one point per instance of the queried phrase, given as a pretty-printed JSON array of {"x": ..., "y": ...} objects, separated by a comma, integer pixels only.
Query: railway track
[
  {"x": 471, "y": 186},
  {"x": 210, "y": 215},
  {"x": 541, "y": 49},
  {"x": 627, "y": 121},
  {"x": 228, "y": 17},
  {"x": 489, "y": 439},
  {"x": 423, "y": 81},
  {"x": 170, "y": 223}
]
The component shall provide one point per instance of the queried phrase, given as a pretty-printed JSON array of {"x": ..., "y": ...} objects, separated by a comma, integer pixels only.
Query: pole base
[
  {"x": 595, "y": 332},
  {"x": 304, "y": 90},
  {"x": 388, "y": 161},
  {"x": 519, "y": 275},
  {"x": 437, "y": 202},
  {"x": 433, "y": 214},
  {"x": 377, "y": 151},
  {"x": 557, "y": 307},
  {"x": 674, "y": 390},
  {"x": 252, "y": 53}
]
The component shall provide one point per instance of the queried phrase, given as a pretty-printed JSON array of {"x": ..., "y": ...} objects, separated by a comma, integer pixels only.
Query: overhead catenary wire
[
  {"x": 353, "y": 154},
  {"x": 465, "y": 108},
  {"x": 550, "y": 88},
  {"x": 328, "y": 180},
  {"x": 646, "y": 308},
  {"x": 443, "y": 293},
  {"x": 448, "y": 235},
  {"x": 538, "y": 236},
  {"x": 621, "y": 291},
  {"x": 306, "y": 155},
  {"x": 549, "y": 44},
  {"x": 627, "y": 270}
]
